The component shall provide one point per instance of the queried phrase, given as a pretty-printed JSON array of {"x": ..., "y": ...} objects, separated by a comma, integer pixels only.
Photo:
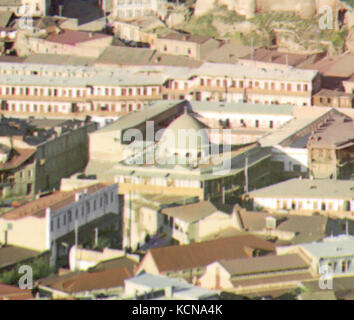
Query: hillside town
[{"x": 177, "y": 150}]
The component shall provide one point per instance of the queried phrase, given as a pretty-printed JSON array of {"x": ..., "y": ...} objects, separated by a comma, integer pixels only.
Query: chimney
[
  {"x": 77, "y": 196},
  {"x": 61, "y": 10}
]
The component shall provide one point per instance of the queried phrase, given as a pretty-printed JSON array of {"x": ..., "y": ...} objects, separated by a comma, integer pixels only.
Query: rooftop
[
  {"x": 331, "y": 247},
  {"x": 8, "y": 292},
  {"x": 242, "y": 108},
  {"x": 338, "y": 131},
  {"x": 180, "y": 289},
  {"x": 270, "y": 263},
  {"x": 77, "y": 282},
  {"x": 186, "y": 37},
  {"x": 201, "y": 254},
  {"x": 307, "y": 189},
  {"x": 73, "y": 37},
  {"x": 191, "y": 212},
  {"x": 54, "y": 201},
  {"x": 10, "y": 255}
]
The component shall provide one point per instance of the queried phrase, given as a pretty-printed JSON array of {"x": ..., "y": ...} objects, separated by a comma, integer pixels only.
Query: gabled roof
[
  {"x": 19, "y": 157},
  {"x": 174, "y": 258},
  {"x": 72, "y": 37},
  {"x": 271, "y": 263},
  {"x": 10, "y": 255},
  {"x": 8, "y": 292},
  {"x": 191, "y": 212},
  {"x": 87, "y": 281}
]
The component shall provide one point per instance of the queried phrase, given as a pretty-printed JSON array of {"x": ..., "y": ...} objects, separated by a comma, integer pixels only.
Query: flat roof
[
  {"x": 307, "y": 189},
  {"x": 331, "y": 247},
  {"x": 241, "y": 108}
]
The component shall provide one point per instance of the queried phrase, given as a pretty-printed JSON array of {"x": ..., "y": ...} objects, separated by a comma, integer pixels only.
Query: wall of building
[{"x": 28, "y": 232}]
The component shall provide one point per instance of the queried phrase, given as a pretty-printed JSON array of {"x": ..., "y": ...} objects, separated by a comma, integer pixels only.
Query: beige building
[
  {"x": 70, "y": 42},
  {"x": 197, "y": 221},
  {"x": 139, "y": 30},
  {"x": 194, "y": 46},
  {"x": 253, "y": 275},
  {"x": 31, "y": 8}
]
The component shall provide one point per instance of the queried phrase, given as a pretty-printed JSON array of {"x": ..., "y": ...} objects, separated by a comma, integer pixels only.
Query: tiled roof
[
  {"x": 13, "y": 293},
  {"x": 71, "y": 37},
  {"x": 55, "y": 201},
  {"x": 87, "y": 281},
  {"x": 201, "y": 254},
  {"x": 18, "y": 158},
  {"x": 271, "y": 263},
  {"x": 186, "y": 37}
]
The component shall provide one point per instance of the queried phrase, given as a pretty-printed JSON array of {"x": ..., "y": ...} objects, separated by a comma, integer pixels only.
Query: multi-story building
[
  {"x": 33, "y": 8},
  {"x": 331, "y": 149},
  {"x": 128, "y": 9},
  {"x": 30, "y": 89},
  {"x": 305, "y": 195},
  {"x": 334, "y": 99},
  {"x": 194, "y": 46},
  {"x": 250, "y": 81},
  {"x": 48, "y": 222},
  {"x": 36, "y": 154}
]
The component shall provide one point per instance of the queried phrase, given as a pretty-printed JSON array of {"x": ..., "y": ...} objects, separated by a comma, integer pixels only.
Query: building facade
[{"x": 43, "y": 223}]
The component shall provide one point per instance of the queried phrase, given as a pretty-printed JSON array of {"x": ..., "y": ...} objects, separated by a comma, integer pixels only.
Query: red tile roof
[
  {"x": 18, "y": 158},
  {"x": 174, "y": 258},
  {"x": 71, "y": 37},
  {"x": 13, "y": 293},
  {"x": 87, "y": 281}
]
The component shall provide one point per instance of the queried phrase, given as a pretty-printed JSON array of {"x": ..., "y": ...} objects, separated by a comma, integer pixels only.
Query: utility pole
[
  {"x": 246, "y": 173},
  {"x": 96, "y": 237}
]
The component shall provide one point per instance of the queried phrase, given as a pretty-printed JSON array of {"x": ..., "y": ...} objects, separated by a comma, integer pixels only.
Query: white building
[
  {"x": 332, "y": 196},
  {"x": 40, "y": 223},
  {"x": 26, "y": 8},
  {"x": 128, "y": 9},
  {"x": 333, "y": 256}
]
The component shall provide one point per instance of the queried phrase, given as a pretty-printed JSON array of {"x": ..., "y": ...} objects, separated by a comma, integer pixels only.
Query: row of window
[
  {"x": 253, "y": 84},
  {"x": 52, "y": 92},
  {"x": 68, "y": 216}
]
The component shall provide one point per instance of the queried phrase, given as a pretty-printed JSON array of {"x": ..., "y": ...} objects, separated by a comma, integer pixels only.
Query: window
[
  {"x": 69, "y": 216},
  {"x": 51, "y": 225},
  {"x": 64, "y": 219},
  {"x": 94, "y": 205},
  {"x": 112, "y": 197},
  {"x": 58, "y": 223}
]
